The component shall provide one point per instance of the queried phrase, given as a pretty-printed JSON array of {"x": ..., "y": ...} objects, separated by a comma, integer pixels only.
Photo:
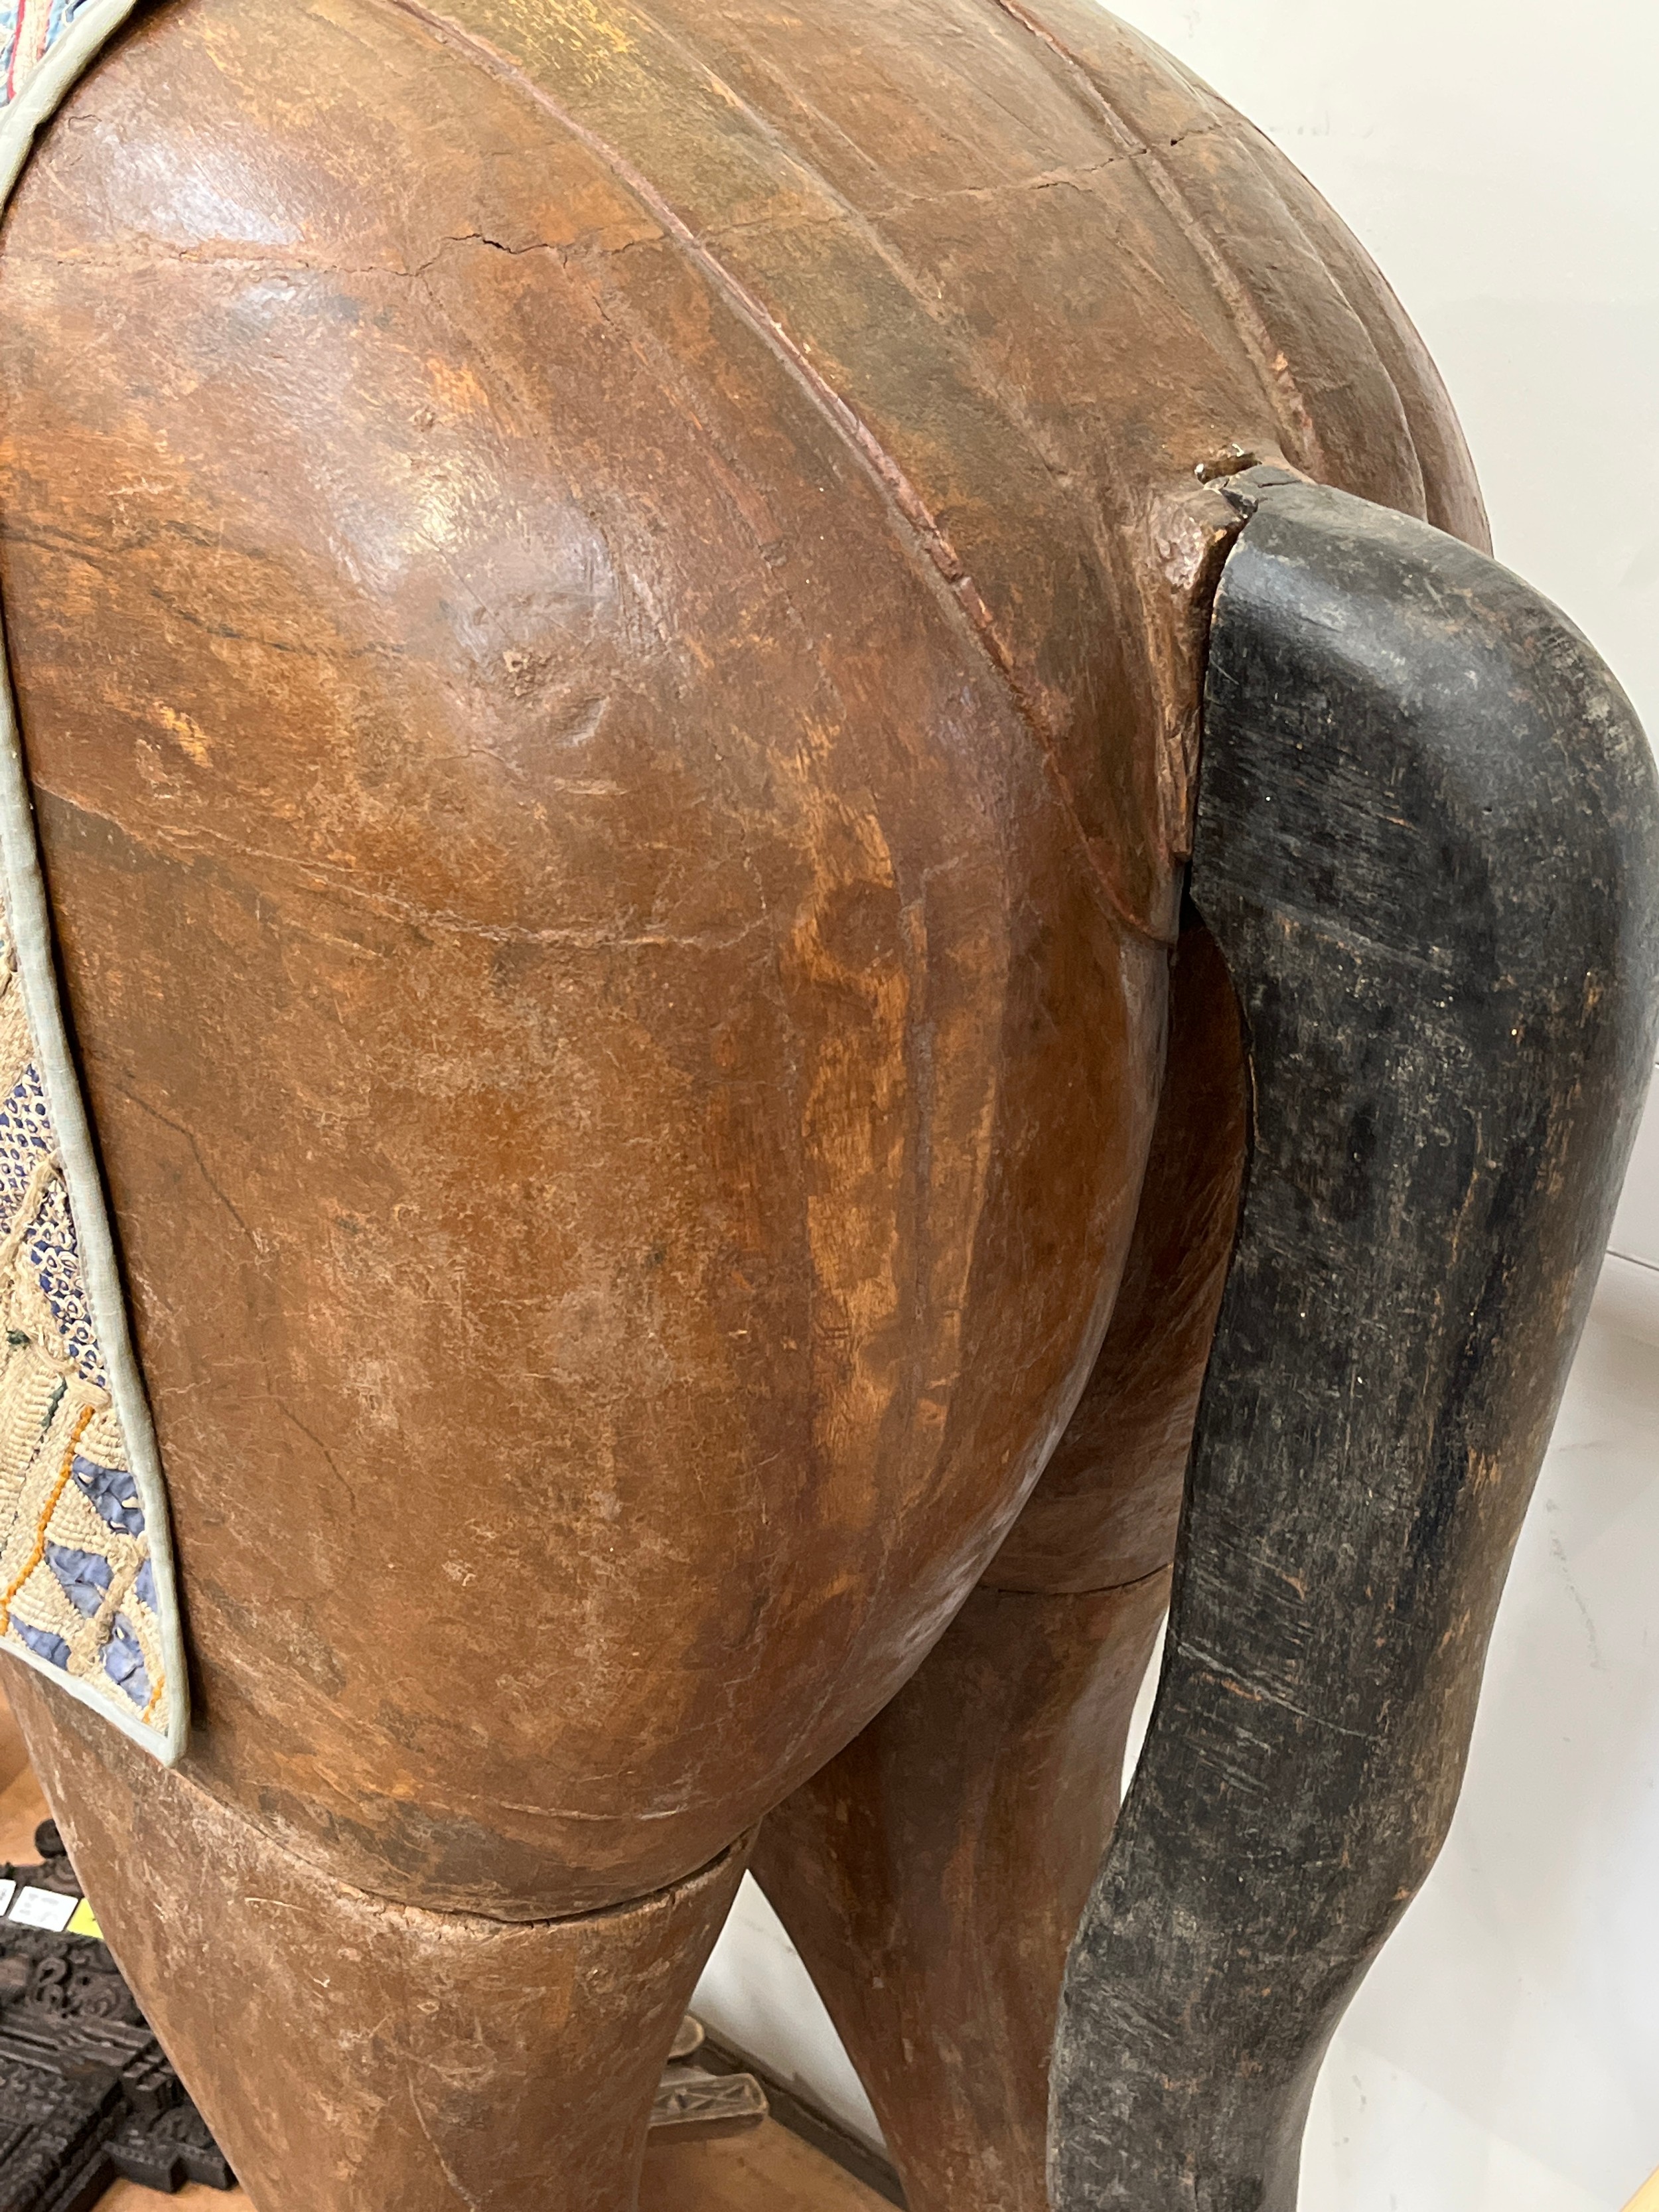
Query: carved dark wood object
[
  {"x": 1428, "y": 846},
  {"x": 86, "y": 2095}
]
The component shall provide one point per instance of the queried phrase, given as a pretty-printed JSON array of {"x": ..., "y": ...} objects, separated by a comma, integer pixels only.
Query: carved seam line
[
  {"x": 923, "y": 527},
  {"x": 1277, "y": 379}
]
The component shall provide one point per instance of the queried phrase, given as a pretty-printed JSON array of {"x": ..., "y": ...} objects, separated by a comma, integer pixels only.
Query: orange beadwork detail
[{"x": 51, "y": 1507}]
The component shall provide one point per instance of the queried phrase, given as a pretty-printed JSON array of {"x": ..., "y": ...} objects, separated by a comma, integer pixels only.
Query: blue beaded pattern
[
  {"x": 78, "y": 1584},
  {"x": 29, "y": 29}
]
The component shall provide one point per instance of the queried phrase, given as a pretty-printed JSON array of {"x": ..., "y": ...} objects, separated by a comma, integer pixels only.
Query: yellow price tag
[{"x": 84, "y": 1922}]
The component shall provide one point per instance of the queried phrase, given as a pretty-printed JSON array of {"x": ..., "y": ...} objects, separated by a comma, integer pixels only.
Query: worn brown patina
[{"x": 607, "y": 606}]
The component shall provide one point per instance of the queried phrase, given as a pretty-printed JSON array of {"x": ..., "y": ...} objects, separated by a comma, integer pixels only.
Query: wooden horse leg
[
  {"x": 1428, "y": 844},
  {"x": 352, "y": 2054},
  {"x": 932, "y": 1874},
  {"x": 932, "y": 1877}
]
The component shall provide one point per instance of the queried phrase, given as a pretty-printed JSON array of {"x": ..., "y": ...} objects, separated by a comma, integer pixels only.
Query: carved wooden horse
[{"x": 608, "y": 606}]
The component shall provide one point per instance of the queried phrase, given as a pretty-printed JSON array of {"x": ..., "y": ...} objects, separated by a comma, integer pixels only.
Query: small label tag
[
  {"x": 84, "y": 1922},
  {"x": 8, "y": 1891},
  {"x": 44, "y": 1908}
]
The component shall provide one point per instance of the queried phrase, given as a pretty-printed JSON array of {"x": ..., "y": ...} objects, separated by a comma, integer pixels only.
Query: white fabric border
[{"x": 73, "y": 52}]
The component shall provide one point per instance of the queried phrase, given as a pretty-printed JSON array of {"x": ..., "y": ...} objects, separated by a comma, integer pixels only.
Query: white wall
[
  {"x": 1504, "y": 2056},
  {"x": 1500, "y": 159}
]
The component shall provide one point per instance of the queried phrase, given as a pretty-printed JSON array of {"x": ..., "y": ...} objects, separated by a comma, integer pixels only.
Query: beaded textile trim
[
  {"x": 31, "y": 28},
  {"x": 77, "y": 1586},
  {"x": 87, "y": 1589}
]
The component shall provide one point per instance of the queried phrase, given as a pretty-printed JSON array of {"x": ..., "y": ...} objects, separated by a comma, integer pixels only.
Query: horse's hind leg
[
  {"x": 932, "y": 1875},
  {"x": 354, "y": 2052}
]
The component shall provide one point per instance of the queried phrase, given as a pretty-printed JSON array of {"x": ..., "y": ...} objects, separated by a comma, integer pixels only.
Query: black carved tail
[{"x": 1428, "y": 843}]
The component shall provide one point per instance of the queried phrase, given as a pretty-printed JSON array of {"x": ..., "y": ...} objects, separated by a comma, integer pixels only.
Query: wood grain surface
[
  {"x": 128, "y": 2197},
  {"x": 769, "y": 2170}
]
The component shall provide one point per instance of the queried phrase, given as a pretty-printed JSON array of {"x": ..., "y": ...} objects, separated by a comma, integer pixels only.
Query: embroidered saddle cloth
[{"x": 87, "y": 1588}]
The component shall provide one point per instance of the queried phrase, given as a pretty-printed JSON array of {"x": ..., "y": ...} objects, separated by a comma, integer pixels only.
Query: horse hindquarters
[{"x": 589, "y": 994}]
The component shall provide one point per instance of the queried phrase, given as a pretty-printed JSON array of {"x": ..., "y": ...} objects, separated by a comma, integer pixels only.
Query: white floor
[{"x": 1504, "y": 2052}]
